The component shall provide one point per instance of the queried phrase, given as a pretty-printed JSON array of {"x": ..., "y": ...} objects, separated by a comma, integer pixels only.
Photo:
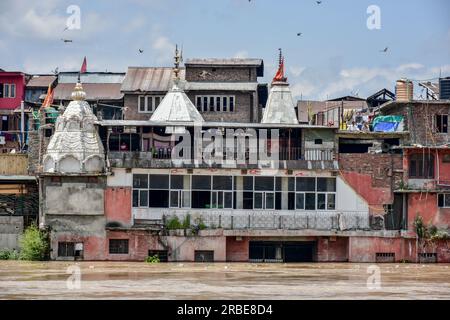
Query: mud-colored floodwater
[{"x": 131, "y": 280}]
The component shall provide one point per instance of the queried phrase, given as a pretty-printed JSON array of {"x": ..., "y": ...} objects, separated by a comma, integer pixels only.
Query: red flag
[
  {"x": 280, "y": 73},
  {"x": 84, "y": 66},
  {"x": 48, "y": 98}
]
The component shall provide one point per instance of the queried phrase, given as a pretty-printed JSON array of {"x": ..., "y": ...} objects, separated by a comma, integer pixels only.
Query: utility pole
[{"x": 22, "y": 124}]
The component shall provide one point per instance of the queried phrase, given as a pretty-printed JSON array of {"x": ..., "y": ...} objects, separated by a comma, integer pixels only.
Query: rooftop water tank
[{"x": 404, "y": 90}]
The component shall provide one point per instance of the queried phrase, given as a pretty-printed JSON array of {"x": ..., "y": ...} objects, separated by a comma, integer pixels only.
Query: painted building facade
[{"x": 327, "y": 196}]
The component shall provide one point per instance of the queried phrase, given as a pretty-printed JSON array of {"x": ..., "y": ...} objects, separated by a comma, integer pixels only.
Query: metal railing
[{"x": 315, "y": 220}]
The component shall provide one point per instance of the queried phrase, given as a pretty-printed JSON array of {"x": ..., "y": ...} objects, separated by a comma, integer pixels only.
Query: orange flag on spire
[
  {"x": 48, "y": 98},
  {"x": 279, "y": 76},
  {"x": 84, "y": 66}
]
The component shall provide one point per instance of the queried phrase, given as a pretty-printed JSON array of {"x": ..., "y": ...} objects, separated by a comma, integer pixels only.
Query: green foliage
[
  {"x": 421, "y": 228},
  {"x": 187, "y": 222},
  {"x": 152, "y": 259},
  {"x": 34, "y": 244},
  {"x": 430, "y": 231},
  {"x": 7, "y": 254},
  {"x": 173, "y": 223}
]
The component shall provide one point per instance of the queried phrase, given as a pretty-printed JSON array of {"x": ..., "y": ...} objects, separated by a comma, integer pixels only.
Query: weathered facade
[{"x": 298, "y": 192}]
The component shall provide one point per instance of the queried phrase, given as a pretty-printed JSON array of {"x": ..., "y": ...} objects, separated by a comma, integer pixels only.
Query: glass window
[
  {"x": 270, "y": 200},
  {"x": 205, "y": 103},
  {"x": 143, "y": 198},
  {"x": 222, "y": 182},
  {"x": 140, "y": 181},
  {"x": 258, "y": 203},
  {"x": 199, "y": 103},
  {"x": 278, "y": 183},
  {"x": 248, "y": 200},
  {"x": 306, "y": 184},
  {"x": 224, "y": 104},
  {"x": 135, "y": 198},
  {"x": 159, "y": 181},
  {"x": 231, "y": 104},
  {"x": 186, "y": 199},
  {"x": 291, "y": 184},
  {"x": 217, "y": 103},
  {"x": 142, "y": 104},
  {"x": 201, "y": 182},
  {"x": 248, "y": 183},
  {"x": 228, "y": 200},
  {"x": 157, "y": 102},
  {"x": 444, "y": 200},
  {"x": 264, "y": 183},
  {"x": 321, "y": 205},
  {"x": 158, "y": 198},
  {"x": 118, "y": 246},
  {"x": 300, "y": 201},
  {"x": 174, "y": 199},
  {"x": 421, "y": 166},
  {"x": 326, "y": 184},
  {"x": 331, "y": 201},
  {"x": 211, "y": 103},
  {"x": 176, "y": 182},
  {"x": 310, "y": 201}
]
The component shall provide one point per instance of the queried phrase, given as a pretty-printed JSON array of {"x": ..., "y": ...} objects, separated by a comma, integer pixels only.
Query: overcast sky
[{"x": 335, "y": 55}]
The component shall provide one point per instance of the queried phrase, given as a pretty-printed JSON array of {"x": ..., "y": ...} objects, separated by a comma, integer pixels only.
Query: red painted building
[{"x": 12, "y": 93}]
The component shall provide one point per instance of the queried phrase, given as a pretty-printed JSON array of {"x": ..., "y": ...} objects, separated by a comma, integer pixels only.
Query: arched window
[{"x": 421, "y": 166}]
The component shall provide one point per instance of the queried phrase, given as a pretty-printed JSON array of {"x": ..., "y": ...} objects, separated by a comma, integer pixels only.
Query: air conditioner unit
[{"x": 2, "y": 140}]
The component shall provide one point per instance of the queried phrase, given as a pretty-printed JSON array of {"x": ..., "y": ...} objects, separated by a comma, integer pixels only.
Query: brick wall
[
  {"x": 419, "y": 121},
  {"x": 220, "y": 74},
  {"x": 372, "y": 176}
]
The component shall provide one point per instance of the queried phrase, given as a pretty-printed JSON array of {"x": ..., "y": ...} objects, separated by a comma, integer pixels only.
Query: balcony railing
[
  {"x": 295, "y": 153},
  {"x": 286, "y": 220}
]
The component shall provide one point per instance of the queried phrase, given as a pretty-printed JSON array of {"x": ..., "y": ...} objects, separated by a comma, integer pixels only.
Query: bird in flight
[
  {"x": 299, "y": 34},
  {"x": 66, "y": 40},
  {"x": 384, "y": 50},
  {"x": 318, "y": 2},
  {"x": 141, "y": 51}
]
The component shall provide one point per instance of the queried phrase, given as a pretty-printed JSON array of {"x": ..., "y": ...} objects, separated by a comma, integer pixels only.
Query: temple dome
[
  {"x": 75, "y": 146},
  {"x": 280, "y": 107}
]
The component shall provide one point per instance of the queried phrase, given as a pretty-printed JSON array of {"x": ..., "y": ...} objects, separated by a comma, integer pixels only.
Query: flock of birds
[{"x": 141, "y": 51}]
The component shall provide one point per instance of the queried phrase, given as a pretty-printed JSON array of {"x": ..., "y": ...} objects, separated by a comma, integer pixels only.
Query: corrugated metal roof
[
  {"x": 91, "y": 77},
  {"x": 232, "y": 86},
  {"x": 149, "y": 79},
  {"x": 41, "y": 80},
  {"x": 94, "y": 91},
  {"x": 224, "y": 62}
]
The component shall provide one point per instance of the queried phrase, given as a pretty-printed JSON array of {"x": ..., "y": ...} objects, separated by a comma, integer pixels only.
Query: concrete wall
[
  {"x": 332, "y": 249},
  {"x": 364, "y": 249},
  {"x": 347, "y": 198},
  {"x": 425, "y": 205},
  {"x": 237, "y": 250},
  {"x": 10, "y": 230},
  {"x": 372, "y": 176},
  {"x": 118, "y": 205},
  {"x": 74, "y": 199}
]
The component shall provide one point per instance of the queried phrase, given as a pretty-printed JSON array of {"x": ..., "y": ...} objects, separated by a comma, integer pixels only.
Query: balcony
[
  {"x": 289, "y": 158},
  {"x": 264, "y": 220}
]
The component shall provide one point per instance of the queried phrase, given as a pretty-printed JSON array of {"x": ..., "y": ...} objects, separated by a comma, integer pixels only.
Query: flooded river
[{"x": 132, "y": 280}]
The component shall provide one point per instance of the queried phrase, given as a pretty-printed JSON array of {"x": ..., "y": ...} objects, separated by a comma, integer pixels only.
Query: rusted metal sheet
[{"x": 94, "y": 91}]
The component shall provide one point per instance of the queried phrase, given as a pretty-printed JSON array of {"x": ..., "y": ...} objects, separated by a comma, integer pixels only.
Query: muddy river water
[{"x": 134, "y": 280}]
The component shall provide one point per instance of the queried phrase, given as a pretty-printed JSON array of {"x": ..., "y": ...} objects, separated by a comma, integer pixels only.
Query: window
[
  {"x": 204, "y": 256},
  {"x": 421, "y": 166},
  {"x": 238, "y": 192},
  {"x": 66, "y": 249},
  {"x": 215, "y": 103},
  {"x": 318, "y": 141},
  {"x": 9, "y": 90},
  {"x": 444, "y": 200},
  {"x": 442, "y": 123},
  {"x": 118, "y": 246},
  {"x": 148, "y": 104}
]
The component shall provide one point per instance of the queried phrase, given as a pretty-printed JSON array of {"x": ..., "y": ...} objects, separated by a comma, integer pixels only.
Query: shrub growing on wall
[{"x": 34, "y": 244}]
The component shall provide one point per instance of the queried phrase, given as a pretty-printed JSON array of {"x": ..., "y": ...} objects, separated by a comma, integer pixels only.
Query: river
[{"x": 134, "y": 280}]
